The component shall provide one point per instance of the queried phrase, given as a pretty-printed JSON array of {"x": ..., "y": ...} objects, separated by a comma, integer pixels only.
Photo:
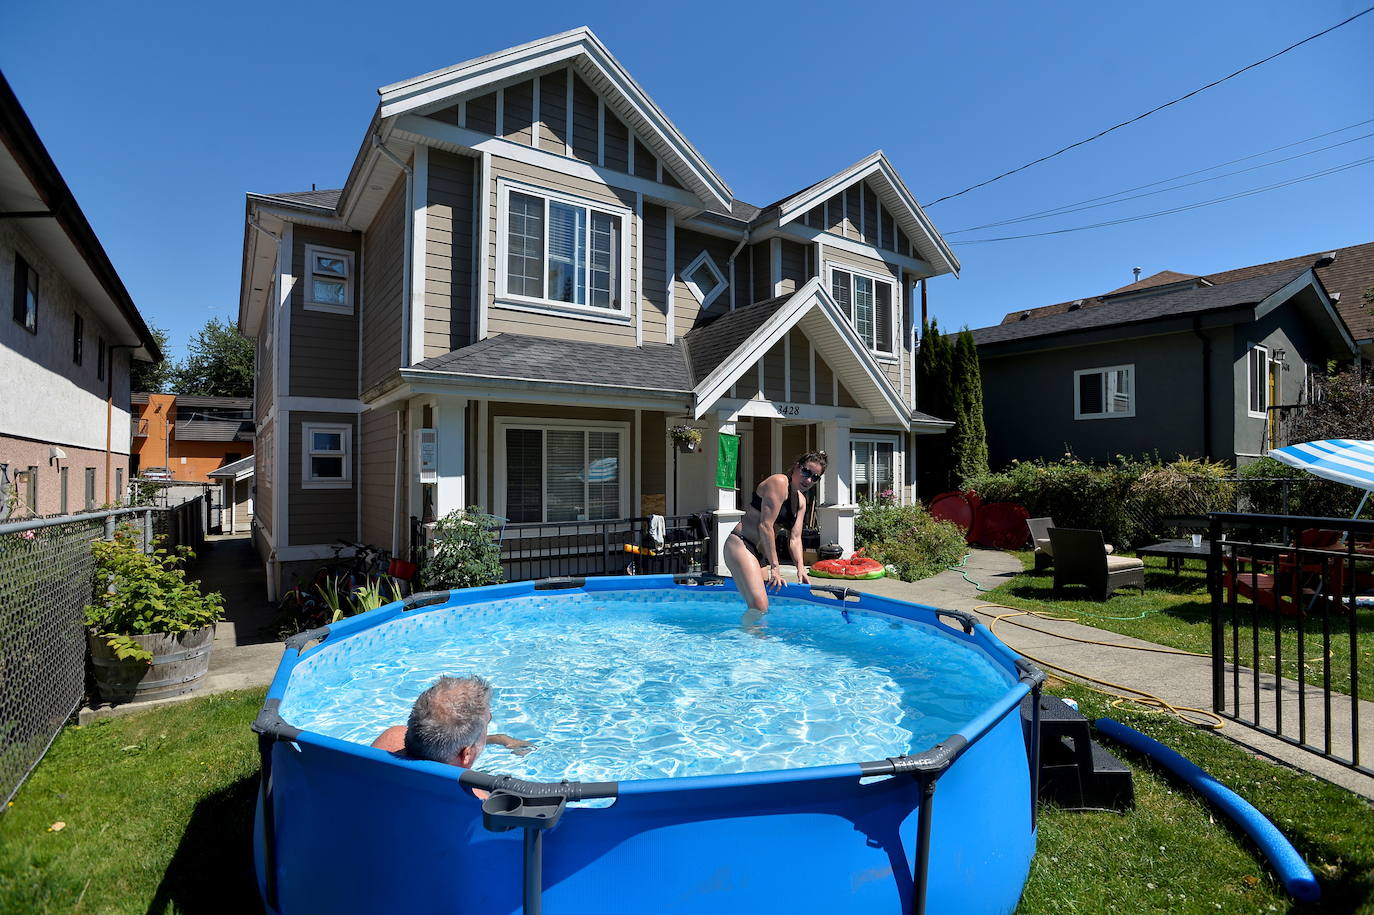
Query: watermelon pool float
[{"x": 855, "y": 567}]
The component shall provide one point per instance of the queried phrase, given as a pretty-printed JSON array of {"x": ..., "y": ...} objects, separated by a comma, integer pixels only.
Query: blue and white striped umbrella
[{"x": 1345, "y": 460}]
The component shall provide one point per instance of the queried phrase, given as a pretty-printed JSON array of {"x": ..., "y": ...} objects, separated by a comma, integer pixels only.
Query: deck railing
[
  {"x": 620, "y": 546},
  {"x": 1292, "y": 630}
]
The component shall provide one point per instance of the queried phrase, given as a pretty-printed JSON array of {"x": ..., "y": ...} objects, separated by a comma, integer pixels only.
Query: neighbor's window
[
  {"x": 90, "y": 488},
  {"x": 78, "y": 335},
  {"x": 25, "y": 295},
  {"x": 868, "y": 301},
  {"x": 560, "y": 251},
  {"x": 562, "y": 473},
  {"x": 704, "y": 279},
  {"x": 1105, "y": 393},
  {"x": 874, "y": 467},
  {"x": 329, "y": 280},
  {"x": 100, "y": 353},
  {"x": 1257, "y": 374},
  {"x": 326, "y": 461}
]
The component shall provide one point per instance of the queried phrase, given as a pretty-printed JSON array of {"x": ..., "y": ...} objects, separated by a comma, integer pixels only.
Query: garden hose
[
  {"x": 1188, "y": 714},
  {"x": 959, "y": 567}
]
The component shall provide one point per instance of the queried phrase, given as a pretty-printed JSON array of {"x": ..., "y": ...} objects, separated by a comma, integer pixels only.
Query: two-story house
[
  {"x": 529, "y": 276},
  {"x": 186, "y": 437},
  {"x": 66, "y": 351}
]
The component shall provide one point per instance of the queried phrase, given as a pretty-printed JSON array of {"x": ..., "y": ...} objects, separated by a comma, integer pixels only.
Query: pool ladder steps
[{"x": 1076, "y": 773}]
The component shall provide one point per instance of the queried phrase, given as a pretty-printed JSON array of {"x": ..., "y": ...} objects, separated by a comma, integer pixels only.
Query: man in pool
[{"x": 448, "y": 724}]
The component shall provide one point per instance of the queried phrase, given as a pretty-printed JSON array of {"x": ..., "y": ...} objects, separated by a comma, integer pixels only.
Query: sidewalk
[{"x": 1177, "y": 679}]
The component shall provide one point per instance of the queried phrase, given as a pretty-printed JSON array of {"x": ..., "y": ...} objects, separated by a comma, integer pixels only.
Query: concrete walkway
[{"x": 246, "y": 652}]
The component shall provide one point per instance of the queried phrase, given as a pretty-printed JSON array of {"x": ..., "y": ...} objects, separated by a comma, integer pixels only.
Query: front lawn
[
  {"x": 157, "y": 810},
  {"x": 1176, "y": 610}
]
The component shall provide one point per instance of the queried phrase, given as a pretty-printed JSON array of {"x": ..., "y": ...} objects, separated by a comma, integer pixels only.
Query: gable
[
  {"x": 567, "y": 95},
  {"x": 856, "y": 212},
  {"x": 557, "y": 111}
]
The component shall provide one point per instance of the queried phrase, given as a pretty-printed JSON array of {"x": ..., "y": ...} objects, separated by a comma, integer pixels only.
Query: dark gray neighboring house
[{"x": 1188, "y": 368}]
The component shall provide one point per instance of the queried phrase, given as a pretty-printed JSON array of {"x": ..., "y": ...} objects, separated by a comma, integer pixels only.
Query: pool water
[{"x": 646, "y": 684}]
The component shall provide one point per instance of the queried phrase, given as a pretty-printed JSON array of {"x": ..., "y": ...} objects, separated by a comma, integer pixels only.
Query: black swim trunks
[{"x": 753, "y": 550}]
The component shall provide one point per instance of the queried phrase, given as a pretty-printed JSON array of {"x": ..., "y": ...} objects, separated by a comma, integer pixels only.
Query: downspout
[
  {"x": 1206, "y": 389},
  {"x": 109, "y": 408},
  {"x": 407, "y": 302}
]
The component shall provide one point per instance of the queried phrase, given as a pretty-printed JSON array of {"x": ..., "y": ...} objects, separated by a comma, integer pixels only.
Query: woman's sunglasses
[{"x": 809, "y": 474}]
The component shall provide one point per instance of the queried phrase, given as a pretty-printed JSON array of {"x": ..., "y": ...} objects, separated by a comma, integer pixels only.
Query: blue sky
[{"x": 162, "y": 115}]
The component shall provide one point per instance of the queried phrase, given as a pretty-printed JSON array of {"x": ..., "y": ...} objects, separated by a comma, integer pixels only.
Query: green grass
[
  {"x": 158, "y": 808},
  {"x": 1176, "y": 610}
]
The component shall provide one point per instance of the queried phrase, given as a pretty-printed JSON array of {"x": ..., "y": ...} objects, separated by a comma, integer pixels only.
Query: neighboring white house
[
  {"x": 529, "y": 276},
  {"x": 65, "y": 353}
]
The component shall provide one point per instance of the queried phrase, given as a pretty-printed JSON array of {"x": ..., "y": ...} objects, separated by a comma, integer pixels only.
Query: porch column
[
  {"x": 450, "y": 423},
  {"x": 725, "y": 504},
  {"x": 836, "y": 513}
]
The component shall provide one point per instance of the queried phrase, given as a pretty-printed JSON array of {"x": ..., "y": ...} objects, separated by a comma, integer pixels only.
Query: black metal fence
[
  {"x": 624, "y": 546},
  {"x": 47, "y": 572},
  {"x": 1292, "y": 628}
]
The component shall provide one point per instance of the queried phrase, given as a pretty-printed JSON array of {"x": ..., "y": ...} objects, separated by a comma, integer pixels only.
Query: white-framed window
[
  {"x": 326, "y": 455},
  {"x": 561, "y": 470},
  {"x": 704, "y": 279},
  {"x": 874, "y": 466},
  {"x": 25, "y": 295},
  {"x": 868, "y": 300},
  {"x": 1257, "y": 381},
  {"x": 1104, "y": 393},
  {"x": 562, "y": 253},
  {"x": 328, "y": 280}
]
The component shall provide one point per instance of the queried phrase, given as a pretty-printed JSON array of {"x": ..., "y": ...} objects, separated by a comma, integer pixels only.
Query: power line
[
  {"x": 1192, "y": 206},
  {"x": 1112, "y": 199},
  {"x": 1158, "y": 108}
]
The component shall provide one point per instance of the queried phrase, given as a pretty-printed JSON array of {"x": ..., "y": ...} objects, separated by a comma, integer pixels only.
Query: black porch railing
[
  {"x": 622, "y": 546},
  {"x": 1292, "y": 627}
]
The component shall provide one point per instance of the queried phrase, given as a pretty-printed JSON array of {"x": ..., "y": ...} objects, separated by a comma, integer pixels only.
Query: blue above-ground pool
[{"x": 844, "y": 753}]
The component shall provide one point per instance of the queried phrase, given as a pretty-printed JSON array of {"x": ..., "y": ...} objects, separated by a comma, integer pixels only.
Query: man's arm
[{"x": 514, "y": 744}]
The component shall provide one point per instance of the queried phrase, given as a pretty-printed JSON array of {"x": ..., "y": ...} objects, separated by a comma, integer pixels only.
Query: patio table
[{"x": 1175, "y": 552}]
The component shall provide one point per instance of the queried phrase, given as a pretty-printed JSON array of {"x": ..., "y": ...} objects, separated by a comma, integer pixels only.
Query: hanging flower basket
[{"x": 686, "y": 438}]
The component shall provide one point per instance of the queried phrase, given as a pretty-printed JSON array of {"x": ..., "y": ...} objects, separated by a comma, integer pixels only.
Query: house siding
[
  {"x": 761, "y": 272},
  {"x": 512, "y": 320},
  {"x": 687, "y": 247},
  {"x": 553, "y": 111},
  {"x": 774, "y": 372},
  {"x": 382, "y": 292},
  {"x": 517, "y": 112},
  {"x": 265, "y": 366},
  {"x": 584, "y": 124},
  {"x": 264, "y": 473},
  {"x": 319, "y": 515},
  {"x": 825, "y": 383},
  {"x": 794, "y": 274},
  {"x": 377, "y": 465},
  {"x": 653, "y": 449},
  {"x": 449, "y": 253},
  {"x": 799, "y": 348},
  {"x": 655, "y": 314}
]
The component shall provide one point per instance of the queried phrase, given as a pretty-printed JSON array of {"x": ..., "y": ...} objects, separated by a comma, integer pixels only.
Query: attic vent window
[
  {"x": 1024, "y": 316},
  {"x": 1075, "y": 305},
  {"x": 1326, "y": 260},
  {"x": 704, "y": 279}
]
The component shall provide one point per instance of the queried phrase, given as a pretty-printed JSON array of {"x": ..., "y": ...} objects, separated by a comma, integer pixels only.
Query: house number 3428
[{"x": 787, "y": 409}]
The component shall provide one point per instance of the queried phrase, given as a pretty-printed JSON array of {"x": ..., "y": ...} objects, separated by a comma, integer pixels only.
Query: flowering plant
[{"x": 685, "y": 435}]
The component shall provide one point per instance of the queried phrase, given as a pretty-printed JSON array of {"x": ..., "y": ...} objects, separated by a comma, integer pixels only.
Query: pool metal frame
[{"x": 537, "y": 807}]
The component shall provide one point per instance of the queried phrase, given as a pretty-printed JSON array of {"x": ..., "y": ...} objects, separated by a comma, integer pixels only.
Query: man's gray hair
[{"x": 447, "y": 718}]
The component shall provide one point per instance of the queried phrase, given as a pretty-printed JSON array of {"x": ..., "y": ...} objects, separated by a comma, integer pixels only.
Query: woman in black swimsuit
[{"x": 778, "y": 503}]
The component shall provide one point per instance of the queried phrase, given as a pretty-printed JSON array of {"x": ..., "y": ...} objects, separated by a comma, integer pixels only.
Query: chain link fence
[{"x": 47, "y": 572}]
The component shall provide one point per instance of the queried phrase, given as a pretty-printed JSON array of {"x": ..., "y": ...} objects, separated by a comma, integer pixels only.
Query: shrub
[
  {"x": 1270, "y": 487},
  {"x": 465, "y": 552},
  {"x": 138, "y": 593},
  {"x": 908, "y": 538}
]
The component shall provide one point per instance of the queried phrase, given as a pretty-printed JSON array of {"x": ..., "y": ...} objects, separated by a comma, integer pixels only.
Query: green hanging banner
[{"x": 727, "y": 461}]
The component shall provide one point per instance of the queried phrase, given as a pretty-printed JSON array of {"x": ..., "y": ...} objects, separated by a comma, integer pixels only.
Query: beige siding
[
  {"x": 324, "y": 346},
  {"x": 653, "y": 447},
  {"x": 793, "y": 265},
  {"x": 869, "y": 264},
  {"x": 511, "y": 320},
  {"x": 319, "y": 515},
  {"x": 646, "y": 166},
  {"x": 377, "y": 488},
  {"x": 382, "y": 292},
  {"x": 763, "y": 455},
  {"x": 584, "y": 123},
  {"x": 870, "y": 214},
  {"x": 825, "y": 383},
  {"x": 774, "y": 372},
  {"x": 265, "y": 366},
  {"x": 686, "y": 248},
  {"x": 835, "y": 207},
  {"x": 553, "y": 111},
  {"x": 617, "y": 144},
  {"x": 265, "y": 472},
  {"x": 800, "y": 349},
  {"x": 517, "y": 107},
  {"x": 761, "y": 263},
  {"x": 851, "y": 211},
  {"x": 449, "y": 253},
  {"x": 846, "y": 398},
  {"x": 655, "y": 315},
  {"x": 482, "y": 114}
]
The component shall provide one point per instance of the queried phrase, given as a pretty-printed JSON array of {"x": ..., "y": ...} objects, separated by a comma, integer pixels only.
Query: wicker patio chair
[
  {"x": 1080, "y": 558},
  {"x": 1040, "y": 539}
]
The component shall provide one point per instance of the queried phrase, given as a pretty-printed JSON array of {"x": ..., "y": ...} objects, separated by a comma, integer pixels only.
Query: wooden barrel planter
[{"x": 180, "y": 662}]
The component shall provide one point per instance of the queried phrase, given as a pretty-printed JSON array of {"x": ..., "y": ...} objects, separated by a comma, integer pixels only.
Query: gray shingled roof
[
  {"x": 708, "y": 345},
  {"x": 1140, "y": 310},
  {"x": 234, "y": 468},
  {"x": 214, "y": 430},
  {"x": 328, "y": 199},
  {"x": 655, "y": 367}
]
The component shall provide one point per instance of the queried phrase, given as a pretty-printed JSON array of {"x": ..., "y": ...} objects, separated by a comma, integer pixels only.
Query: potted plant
[
  {"x": 685, "y": 437},
  {"x": 149, "y": 629}
]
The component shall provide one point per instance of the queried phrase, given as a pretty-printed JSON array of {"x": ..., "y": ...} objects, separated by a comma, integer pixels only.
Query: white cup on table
[{"x": 1197, "y": 540}]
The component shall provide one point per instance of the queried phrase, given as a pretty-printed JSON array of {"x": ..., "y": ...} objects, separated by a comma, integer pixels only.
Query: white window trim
[
  {"x": 502, "y": 424},
  {"x": 309, "y": 304},
  {"x": 307, "y": 433},
  {"x": 704, "y": 296},
  {"x": 898, "y": 461},
  {"x": 1249, "y": 381},
  {"x": 894, "y": 304},
  {"x": 508, "y": 299},
  {"x": 1103, "y": 370}
]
